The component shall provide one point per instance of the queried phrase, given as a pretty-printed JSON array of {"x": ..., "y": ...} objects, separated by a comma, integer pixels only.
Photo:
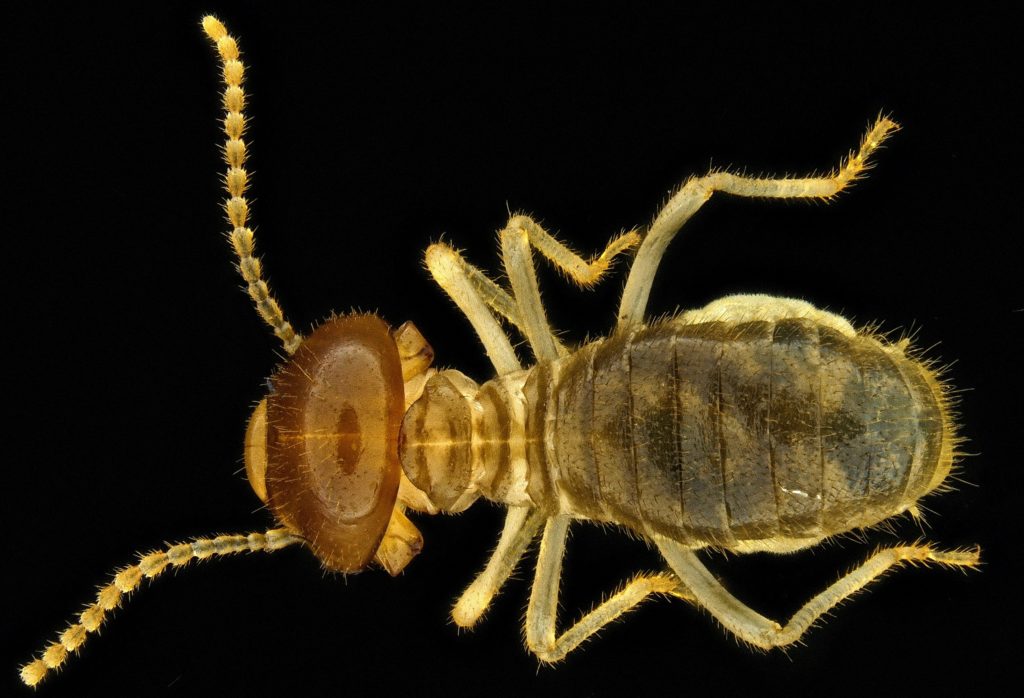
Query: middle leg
[
  {"x": 519, "y": 235},
  {"x": 542, "y": 614},
  {"x": 480, "y": 299}
]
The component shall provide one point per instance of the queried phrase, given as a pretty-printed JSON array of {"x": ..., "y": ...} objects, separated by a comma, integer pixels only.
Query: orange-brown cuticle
[{"x": 332, "y": 469}]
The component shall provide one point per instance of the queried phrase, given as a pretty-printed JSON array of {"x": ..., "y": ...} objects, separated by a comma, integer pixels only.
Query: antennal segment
[
  {"x": 236, "y": 180},
  {"x": 128, "y": 580}
]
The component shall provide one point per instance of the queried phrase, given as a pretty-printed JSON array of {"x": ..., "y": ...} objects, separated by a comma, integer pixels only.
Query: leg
[
  {"x": 699, "y": 189},
  {"x": 516, "y": 239},
  {"x": 477, "y": 296},
  {"x": 473, "y": 292},
  {"x": 752, "y": 627},
  {"x": 521, "y": 526},
  {"x": 542, "y": 613}
]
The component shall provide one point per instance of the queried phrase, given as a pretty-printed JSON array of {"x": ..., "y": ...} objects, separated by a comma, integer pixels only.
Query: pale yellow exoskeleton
[{"x": 755, "y": 423}]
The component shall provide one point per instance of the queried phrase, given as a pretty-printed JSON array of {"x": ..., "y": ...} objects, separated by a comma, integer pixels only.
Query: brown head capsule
[{"x": 330, "y": 453}]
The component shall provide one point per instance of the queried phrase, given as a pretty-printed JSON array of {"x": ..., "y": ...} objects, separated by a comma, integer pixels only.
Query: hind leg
[
  {"x": 688, "y": 200},
  {"x": 750, "y": 626}
]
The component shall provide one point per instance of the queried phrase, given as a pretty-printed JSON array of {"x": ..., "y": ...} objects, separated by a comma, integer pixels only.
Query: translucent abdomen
[{"x": 718, "y": 433}]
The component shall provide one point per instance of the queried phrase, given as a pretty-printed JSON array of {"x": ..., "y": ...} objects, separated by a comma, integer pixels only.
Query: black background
[{"x": 134, "y": 359}]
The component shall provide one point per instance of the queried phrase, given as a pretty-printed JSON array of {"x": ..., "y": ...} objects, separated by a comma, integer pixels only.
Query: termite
[{"x": 755, "y": 423}]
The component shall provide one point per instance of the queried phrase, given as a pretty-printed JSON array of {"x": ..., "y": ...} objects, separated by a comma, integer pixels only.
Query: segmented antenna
[
  {"x": 128, "y": 580},
  {"x": 236, "y": 180}
]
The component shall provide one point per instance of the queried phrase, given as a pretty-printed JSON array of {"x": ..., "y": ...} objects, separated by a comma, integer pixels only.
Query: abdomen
[{"x": 725, "y": 433}]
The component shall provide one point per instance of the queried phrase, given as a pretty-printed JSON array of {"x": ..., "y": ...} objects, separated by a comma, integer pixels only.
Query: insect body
[
  {"x": 748, "y": 436},
  {"x": 753, "y": 424}
]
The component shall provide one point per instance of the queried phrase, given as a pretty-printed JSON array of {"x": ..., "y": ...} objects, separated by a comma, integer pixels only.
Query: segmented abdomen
[{"x": 722, "y": 432}]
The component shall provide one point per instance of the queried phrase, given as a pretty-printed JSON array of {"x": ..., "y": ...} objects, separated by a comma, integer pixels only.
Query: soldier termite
[{"x": 729, "y": 513}]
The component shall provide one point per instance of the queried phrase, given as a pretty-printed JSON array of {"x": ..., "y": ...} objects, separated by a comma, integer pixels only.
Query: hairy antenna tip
[{"x": 214, "y": 28}]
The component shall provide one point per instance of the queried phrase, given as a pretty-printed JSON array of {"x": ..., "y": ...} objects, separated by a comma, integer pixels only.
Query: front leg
[
  {"x": 521, "y": 526},
  {"x": 476, "y": 296}
]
